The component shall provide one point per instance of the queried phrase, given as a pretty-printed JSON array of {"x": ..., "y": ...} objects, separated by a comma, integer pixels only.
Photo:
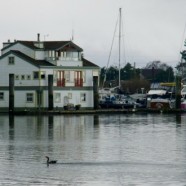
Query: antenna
[
  {"x": 45, "y": 36},
  {"x": 72, "y": 39}
]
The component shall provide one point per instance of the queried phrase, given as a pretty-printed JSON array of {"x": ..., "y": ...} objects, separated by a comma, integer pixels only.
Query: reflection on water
[{"x": 93, "y": 150}]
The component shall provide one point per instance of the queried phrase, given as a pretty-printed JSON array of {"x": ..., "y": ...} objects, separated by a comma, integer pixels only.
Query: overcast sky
[{"x": 152, "y": 29}]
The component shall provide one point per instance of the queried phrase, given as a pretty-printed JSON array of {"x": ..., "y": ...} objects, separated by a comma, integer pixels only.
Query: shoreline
[{"x": 93, "y": 111}]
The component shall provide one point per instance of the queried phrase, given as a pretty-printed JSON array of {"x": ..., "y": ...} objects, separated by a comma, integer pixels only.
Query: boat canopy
[{"x": 157, "y": 92}]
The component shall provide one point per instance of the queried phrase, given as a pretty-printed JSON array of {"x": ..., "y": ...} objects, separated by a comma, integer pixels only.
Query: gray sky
[{"x": 152, "y": 29}]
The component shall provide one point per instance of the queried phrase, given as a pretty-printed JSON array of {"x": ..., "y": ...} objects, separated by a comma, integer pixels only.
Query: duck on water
[{"x": 50, "y": 161}]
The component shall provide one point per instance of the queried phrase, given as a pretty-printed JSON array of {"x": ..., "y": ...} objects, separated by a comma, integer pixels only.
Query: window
[
  {"x": 70, "y": 95},
  {"x": 75, "y": 55},
  {"x": 22, "y": 77},
  {"x": 60, "y": 78},
  {"x": 67, "y": 76},
  {"x": 1, "y": 95},
  {"x": 69, "y": 55},
  {"x": 17, "y": 77},
  {"x": 72, "y": 55},
  {"x": 83, "y": 97},
  {"x": 57, "y": 97},
  {"x": 78, "y": 79},
  {"x": 11, "y": 60},
  {"x": 28, "y": 77},
  {"x": 42, "y": 75},
  {"x": 36, "y": 75},
  {"x": 29, "y": 97}
]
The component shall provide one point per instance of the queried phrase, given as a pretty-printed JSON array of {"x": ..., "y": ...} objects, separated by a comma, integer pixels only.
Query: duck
[{"x": 50, "y": 162}]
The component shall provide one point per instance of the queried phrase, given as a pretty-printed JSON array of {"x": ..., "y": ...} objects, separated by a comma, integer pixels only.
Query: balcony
[
  {"x": 78, "y": 82},
  {"x": 61, "y": 82}
]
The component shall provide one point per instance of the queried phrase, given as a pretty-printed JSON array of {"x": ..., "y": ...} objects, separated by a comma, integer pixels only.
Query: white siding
[
  {"x": 20, "y": 68},
  {"x": 22, "y": 48},
  {"x": 39, "y": 55},
  {"x": 88, "y": 78},
  {"x": 5, "y": 101},
  {"x": 75, "y": 99},
  {"x": 20, "y": 100}
]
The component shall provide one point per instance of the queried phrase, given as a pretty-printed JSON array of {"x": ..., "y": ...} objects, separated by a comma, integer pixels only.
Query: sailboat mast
[{"x": 119, "y": 45}]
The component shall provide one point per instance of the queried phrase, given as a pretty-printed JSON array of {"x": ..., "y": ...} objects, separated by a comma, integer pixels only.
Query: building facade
[{"x": 32, "y": 62}]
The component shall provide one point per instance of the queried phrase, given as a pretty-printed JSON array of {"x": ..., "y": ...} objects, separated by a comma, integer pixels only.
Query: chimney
[{"x": 38, "y": 37}]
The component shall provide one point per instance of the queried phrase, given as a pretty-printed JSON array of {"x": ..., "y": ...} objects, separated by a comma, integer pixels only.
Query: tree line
[{"x": 133, "y": 79}]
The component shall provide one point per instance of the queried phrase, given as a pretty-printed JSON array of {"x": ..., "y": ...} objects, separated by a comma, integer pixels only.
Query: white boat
[
  {"x": 183, "y": 100},
  {"x": 162, "y": 97}
]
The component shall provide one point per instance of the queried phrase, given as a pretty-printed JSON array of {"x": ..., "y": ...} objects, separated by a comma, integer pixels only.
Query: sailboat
[{"x": 108, "y": 97}]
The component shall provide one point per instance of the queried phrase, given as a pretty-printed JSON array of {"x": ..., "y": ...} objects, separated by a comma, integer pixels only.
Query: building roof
[
  {"x": 87, "y": 63},
  {"x": 37, "y": 63},
  {"x": 47, "y": 45}
]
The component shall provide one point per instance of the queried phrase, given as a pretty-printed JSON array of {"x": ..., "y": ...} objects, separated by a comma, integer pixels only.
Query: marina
[{"x": 69, "y": 116}]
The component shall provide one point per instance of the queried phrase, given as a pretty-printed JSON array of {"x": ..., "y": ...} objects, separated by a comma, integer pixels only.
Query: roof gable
[
  {"x": 47, "y": 45},
  {"x": 64, "y": 45},
  {"x": 32, "y": 61},
  {"x": 87, "y": 63}
]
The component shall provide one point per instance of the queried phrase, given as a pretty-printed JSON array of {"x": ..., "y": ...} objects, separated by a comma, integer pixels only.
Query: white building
[{"x": 32, "y": 61}]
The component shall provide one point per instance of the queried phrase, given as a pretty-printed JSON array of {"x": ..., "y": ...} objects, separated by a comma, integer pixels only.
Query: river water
[{"x": 93, "y": 150}]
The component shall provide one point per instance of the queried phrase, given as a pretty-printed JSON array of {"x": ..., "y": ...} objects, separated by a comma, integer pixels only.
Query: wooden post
[
  {"x": 11, "y": 93},
  {"x": 178, "y": 92},
  {"x": 95, "y": 89},
  {"x": 50, "y": 92}
]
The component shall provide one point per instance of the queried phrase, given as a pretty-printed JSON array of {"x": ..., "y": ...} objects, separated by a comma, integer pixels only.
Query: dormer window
[
  {"x": 52, "y": 54},
  {"x": 72, "y": 55},
  {"x": 69, "y": 55},
  {"x": 11, "y": 61}
]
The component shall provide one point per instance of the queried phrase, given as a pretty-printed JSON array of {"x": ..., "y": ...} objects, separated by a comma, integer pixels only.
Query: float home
[{"x": 46, "y": 75}]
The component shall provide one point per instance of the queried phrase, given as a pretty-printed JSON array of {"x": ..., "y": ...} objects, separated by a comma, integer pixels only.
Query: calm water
[{"x": 104, "y": 150}]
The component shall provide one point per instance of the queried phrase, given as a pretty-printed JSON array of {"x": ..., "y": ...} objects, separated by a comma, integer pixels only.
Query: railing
[
  {"x": 69, "y": 58},
  {"x": 61, "y": 82},
  {"x": 78, "y": 82}
]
